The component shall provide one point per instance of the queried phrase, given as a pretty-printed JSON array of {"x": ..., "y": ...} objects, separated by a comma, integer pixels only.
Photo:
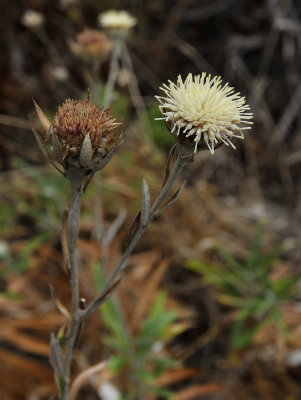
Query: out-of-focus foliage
[
  {"x": 251, "y": 287},
  {"x": 139, "y": 354},
  {"x": 161, "y": 135}
]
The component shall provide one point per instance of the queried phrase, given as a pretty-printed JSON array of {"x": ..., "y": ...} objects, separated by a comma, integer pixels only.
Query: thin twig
[
  {"x": 82, "y": 378},
  {"x": 136, "y": 94}
]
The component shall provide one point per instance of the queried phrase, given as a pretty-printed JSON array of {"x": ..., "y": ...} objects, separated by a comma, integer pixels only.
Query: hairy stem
[{"x": 73, "y": 222}]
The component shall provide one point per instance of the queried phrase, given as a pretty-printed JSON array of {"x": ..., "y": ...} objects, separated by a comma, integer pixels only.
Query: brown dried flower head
[
  {"x": 91, "y": 43},
  {"x": 83, "y": 136}
]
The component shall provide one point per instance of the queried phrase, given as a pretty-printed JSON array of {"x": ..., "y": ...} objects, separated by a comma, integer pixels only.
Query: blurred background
[{"x": 210, "y": 307}]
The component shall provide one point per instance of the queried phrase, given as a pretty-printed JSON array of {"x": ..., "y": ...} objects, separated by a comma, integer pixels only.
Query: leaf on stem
[
  {"x": 42, "y": 117},
  {"x": 56, "y": 356},
  {"x": 57, "y": 151},
  {"x": 133, "y": 230},
  {"x": 172, "y": 199},
  {"x": 171, "y": 158},
  {"x": 62, "y": 309},
  {"x": 46, "y": 153},
  {"x": 146, "y": 203},
  {"x": 103, "y": 297},
  {"x": 114, "y": 228},
  {"x": 86, "y": 152}
]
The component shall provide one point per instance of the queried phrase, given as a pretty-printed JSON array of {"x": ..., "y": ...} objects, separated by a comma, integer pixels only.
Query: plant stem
[
  {"x": 179, "y": 164},
  {"x": 113, "y": 73},
  {"x": 137, "y": 97},
  {"x": 77, "y": 314},
  {"x": 95, "y": 84},
  {"x": 108, "y": 95},
  {"x": 76, "y": 182}
]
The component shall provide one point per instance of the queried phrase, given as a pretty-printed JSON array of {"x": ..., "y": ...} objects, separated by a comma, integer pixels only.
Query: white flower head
[
  {"x": 32, "y": 19},
  {"x": 117, "y": 22},
  {"x": 204, "y": 112},
  {"x": 107, "y": 391}
]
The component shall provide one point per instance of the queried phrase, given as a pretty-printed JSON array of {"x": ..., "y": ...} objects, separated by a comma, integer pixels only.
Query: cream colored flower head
[
  {"x": 32, "y": 19},
  {"x": 203, "y": 112},
  {"x": 117, "y": 21}
]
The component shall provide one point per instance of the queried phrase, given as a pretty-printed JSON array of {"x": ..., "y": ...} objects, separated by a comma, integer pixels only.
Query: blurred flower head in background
[
  {"x": 117, "y": 23},
  {"x": 91, "y": 43},
  {"x": 67, "y": 3},
  {"x": 202, "y": 112},
  {"x": 32, "y": 19}
]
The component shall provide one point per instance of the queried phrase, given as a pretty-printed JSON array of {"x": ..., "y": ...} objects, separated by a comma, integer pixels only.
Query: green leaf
[
  {"x": 286, "y": 288},
  {"x": 161, "y": 135},
  {"x": 109, "y": 311},
  {"x": 242, "y": 335},
  {"x": 117, "y": 364},
  {"x": 254, "y": 258}
]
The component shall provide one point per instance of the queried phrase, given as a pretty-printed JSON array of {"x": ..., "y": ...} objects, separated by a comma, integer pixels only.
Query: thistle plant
[{"x": 82, "y": 139}]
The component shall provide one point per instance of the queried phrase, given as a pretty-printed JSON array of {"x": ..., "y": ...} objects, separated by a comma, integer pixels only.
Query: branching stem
[{"x": 77, "y": 314}]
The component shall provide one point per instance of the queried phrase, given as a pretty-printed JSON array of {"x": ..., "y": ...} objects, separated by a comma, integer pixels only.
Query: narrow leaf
[
  {"x": 62, "y": 309},
  {"x": 171, "y": 158},
  {"x": 103, "y": 162},
  {"x": 172, "y": 199},
  {"x": 57, "y": 149},
  {"x": 86, "y": 152},
  {"x": 133, "y": 229},
  {"x": 46, "y": 153},
  {"x": 114, "y": 228},
  {"x": 56, "y": 356},
  {"x": 102, "y": 297},
  {"x": 42, "y": 117}
]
